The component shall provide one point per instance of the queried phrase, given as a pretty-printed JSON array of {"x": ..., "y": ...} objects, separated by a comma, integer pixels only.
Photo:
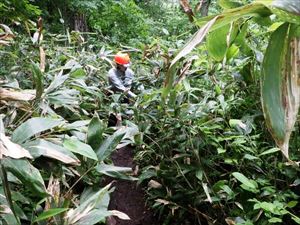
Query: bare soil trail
[{"x": 128, "y": 197}]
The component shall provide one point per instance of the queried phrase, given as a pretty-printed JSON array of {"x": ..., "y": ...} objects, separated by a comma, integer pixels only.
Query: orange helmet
[{"x": 122, "y": 59}]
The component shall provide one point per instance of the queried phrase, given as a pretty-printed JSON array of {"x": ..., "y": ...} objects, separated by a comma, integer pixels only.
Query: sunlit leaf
[
  {"x": 57, "y": 81},
  {"x": 220, "y": 40},
  {"x": 11, "y": 149},
  {"x": 45, "y": 148},
  {"x": 91, "y": 202},
  {"x": 81, "y": 148},
  {"x": 33, "y": 127},
  {"x": 270, "y": 151},
  {"x": 110, "y": 144},
  {"x": 244, "y": 180},
  {"x": 94, "y": 216}
]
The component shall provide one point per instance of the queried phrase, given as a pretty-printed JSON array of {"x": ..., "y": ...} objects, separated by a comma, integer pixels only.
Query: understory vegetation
[{"x": 214, "y": 125}]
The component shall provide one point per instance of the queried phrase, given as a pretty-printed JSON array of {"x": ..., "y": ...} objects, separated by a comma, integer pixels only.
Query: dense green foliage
[{"x": 200, "y": 137}]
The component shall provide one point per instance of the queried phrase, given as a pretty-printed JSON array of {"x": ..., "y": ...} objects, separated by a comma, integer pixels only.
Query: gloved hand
[{"x": 129, "y": 93}]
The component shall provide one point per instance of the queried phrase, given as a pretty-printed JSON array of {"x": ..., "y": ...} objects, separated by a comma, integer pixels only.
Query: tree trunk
[
  {"x": 80, "y": 23},
  {"x": 204, "y": 7}
]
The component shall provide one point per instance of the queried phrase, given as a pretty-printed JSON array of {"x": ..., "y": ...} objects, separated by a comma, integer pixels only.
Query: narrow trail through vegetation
[
  {"x": 128, "y": 197},
  {"x": 212, "y": 120}
]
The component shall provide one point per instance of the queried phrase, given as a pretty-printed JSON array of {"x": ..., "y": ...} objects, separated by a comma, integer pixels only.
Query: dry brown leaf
[
  {"x": 54, "y": 190},
  {"x": 154, "y": 184},
  {"x": 2, "y": 42},
  {"x": 11, "y": 149},
  {"x": 13, "y": 95},
  {"x": 119, "y": 214},
  {"x": 230, "y": 221},
  {"x": 42, "y": 59}
]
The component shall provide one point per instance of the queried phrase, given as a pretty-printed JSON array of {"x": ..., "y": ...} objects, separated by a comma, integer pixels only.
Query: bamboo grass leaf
[
  {"x": 81, "y": 148},
  {"x": 95, "y": 132},
  {"x": 49, "y": 213},
  {"x": 280, "y": 86},
  {"x": 29, "y": 175},
  {"x": 32, "y": 127},
  {"x": 110, "y": 144}
]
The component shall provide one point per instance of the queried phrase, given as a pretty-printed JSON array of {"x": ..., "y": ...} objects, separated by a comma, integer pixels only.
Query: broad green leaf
[
  {"x": 79, "y": 125},
  {"x": 57, "y": 81},
  {"x": 90, "y": 203},
  {"x": 241, "y": 39},
  {"x": 95, "y": 132},
  {"x": 280, "y": 88},
  {"x": 29, "y": 175},
  {"x": 99, "y": 213},
  {"x": 244, "y": 180},
  {"x": 292, "y": 204},
  {"x": 275, "y": 220},
  {"x": 81, "y": 148},
  {"x": 7, "y": 192},
  {"x": 110, "y": 144},
  {"x": 105, "y": 167},
  {"x": 78, "y": 73},
  {"x": 38, "y": 79},
  {"x": 115, "y": 171},
  {"x": 49, "y": 213},
  {"x": 48, "y": 149},
  {"x": 286, "y": 16},
  {"x": 232, "y": 52},
  {"x": 199, "y": 174},
  {"x": 6, "y": 216},
  {"x": 33, "y": 127},
  {"x": 270, "y": 151},
  {"x": 276, "y": 208},
  {"x": 217, "y": 42},
  {"x": 229, "y": 4},
  {"x": 95, "y": 216}
]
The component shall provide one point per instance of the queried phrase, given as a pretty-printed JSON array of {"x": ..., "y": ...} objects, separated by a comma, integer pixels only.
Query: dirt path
[{"x": 128, "y": 197}]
